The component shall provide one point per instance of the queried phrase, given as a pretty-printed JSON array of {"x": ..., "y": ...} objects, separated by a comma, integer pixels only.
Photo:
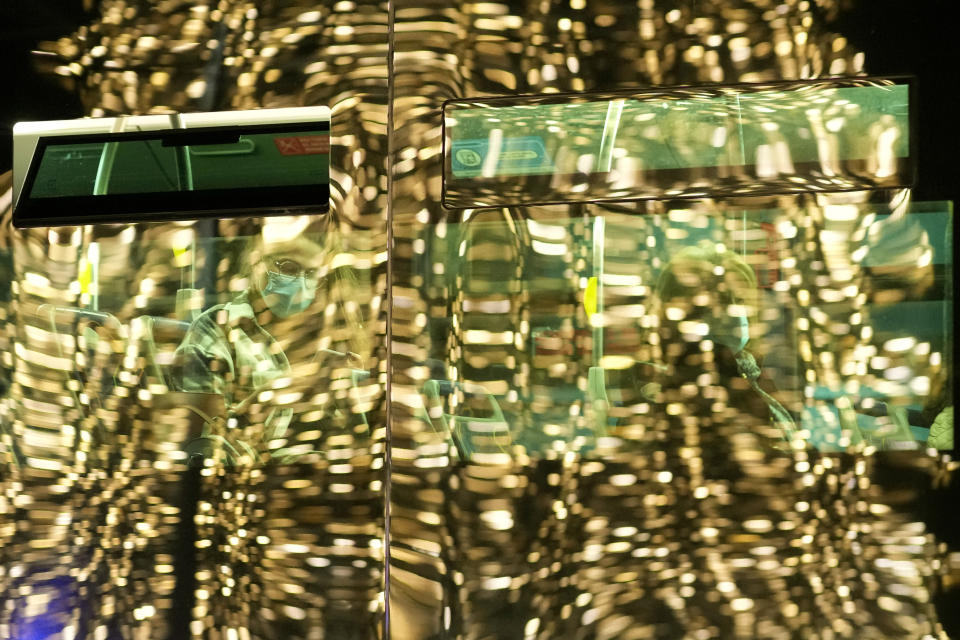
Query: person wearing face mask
[
  {"x": 709, "y": 293},
  {"x": 290, "y": 287},
  {"x": 231, "y": 350}
]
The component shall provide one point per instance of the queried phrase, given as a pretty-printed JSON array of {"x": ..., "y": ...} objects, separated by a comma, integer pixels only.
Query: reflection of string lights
[
  {"x": 677, "y": 517},
  {"x": 282, "y": 548},
  {"x": 750, "y": 141},
  {"x": 660, "y": 543}
]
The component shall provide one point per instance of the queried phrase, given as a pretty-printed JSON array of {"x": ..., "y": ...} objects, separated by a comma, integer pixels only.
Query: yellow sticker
[
  {"x": 590, "y": 296},
  {"x": 181, "y": 257},
  {"x": 85, "y": 277}
]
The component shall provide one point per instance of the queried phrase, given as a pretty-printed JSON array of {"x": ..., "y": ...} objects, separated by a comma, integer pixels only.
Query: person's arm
[
  {"x": 201, "y": 374},
  {"x": 202, "y": 363}
]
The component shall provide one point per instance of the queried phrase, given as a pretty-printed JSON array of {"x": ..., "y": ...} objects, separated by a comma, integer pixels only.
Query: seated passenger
[
  {"x": 231, "y": 351},
  {"x": 708, "y": 294}
]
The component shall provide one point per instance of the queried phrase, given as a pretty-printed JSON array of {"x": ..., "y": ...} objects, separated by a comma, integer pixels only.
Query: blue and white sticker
[{"x": 524, "y": 155}]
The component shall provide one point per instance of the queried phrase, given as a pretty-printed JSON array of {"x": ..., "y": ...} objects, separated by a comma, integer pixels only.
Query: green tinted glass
[
  {"x": 621, "y": 315},
  {"x": 179, "y": 173},
  {"x": 747, "y": 140},
  {"x": 151, "y": 165}
]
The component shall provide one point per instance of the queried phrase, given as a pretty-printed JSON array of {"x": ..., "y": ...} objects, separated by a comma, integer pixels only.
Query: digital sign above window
[
  {"x": 147, "y": 168},
  {"x": 684, "y": 142}
]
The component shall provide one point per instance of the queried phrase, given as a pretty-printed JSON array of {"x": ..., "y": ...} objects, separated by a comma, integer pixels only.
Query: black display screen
[{"x": 177, "y": 174}]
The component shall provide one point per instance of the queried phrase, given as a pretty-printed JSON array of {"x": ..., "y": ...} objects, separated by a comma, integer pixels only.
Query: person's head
[
  {"x": 285, "y": 271},
  {"x": 299, "y": 268},
  {"x": 707, "y": 292},
  {"x": 896, "y": 258}
]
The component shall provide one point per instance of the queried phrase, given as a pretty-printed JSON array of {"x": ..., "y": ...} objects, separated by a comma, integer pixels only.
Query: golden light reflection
[
  {"x": 666, "y": 498},
  {"x": 558, "y": 468},
  {"x": 111, "y": 523}
]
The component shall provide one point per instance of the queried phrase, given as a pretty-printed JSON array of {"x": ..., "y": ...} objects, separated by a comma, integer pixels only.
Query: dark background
[{"x": 25, "y": 94}]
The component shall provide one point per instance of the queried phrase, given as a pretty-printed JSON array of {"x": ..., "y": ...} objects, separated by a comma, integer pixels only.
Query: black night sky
[{"x": 27, "y": 95}]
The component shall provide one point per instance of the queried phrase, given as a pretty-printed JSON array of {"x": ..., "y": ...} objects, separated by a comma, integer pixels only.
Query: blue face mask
[
  {"x": 734, "y": 335},
  {"x": 286, "y": 295}
]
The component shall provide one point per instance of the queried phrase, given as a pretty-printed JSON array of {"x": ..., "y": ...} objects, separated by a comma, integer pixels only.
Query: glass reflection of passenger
[
  {"x": 231, "y": 352},
  {"x": 707, "y": 300},
  {"x": 897, "y": 266}
]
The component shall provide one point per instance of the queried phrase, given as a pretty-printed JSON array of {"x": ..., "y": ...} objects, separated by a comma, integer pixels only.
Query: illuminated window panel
[
  {"x": 146, "y": 168},
  {"x": 615, "y": 319},
  {"x": 685, "y": 142}
]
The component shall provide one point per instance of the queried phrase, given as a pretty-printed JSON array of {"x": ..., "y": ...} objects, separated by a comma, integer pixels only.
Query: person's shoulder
[
  {"x": 223, "y": 313},
  {"x": 211, "y": 325},
  {"x": 207, "y": 318}
]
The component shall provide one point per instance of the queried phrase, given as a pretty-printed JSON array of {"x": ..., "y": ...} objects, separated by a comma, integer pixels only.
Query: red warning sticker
[{"x": 302, "y": 145}]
